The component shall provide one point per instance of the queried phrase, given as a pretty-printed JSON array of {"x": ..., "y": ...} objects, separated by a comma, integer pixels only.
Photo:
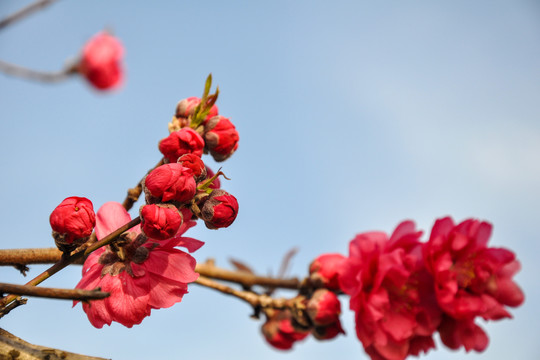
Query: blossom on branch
[
  {"x": 471, "y": 280},
  {"x": 101, "y": 61},
  {"x": 178, "y": 143},
  {"x": 72, "y": 222},
  {"x": 221, "y": 137},
  {"x": 391, "y": 293},
  {"x": 140, "y": 273}
]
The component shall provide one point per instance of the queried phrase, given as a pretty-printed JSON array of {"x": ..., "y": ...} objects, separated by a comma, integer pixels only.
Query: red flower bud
[
  {"x": 196, "y": 165},
  {"x": 170, "y": 182},
  {"x": 279, "y": 331},
  {"x": 186, "y": 107},
  {"x": 325, "y": 269},
  {"x": 72, "y": 222},
  {"x": 327, "y": 332},
  {"x": 101, "y": 61},
  {"x": 219, "y": 209},
  {"x": 160, "y": 221},
  {"x": 221, "y": 137},
  {"x": 178, "y": 143},
  {"x": 323, "y": 307}
]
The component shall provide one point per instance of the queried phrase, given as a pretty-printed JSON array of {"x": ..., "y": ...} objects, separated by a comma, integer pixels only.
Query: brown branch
[
  {"x": 48, "y": 77},
  {"x": 22, "y": 13},
  {"x": 68, "y": 294},
  {"x": 16, "y": 257},
  {"x": 255, "y": 300},
  {"x": 13, "y": 347}
]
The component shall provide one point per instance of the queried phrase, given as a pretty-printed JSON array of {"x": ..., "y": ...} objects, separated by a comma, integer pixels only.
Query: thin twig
[
  {"x": 22, "y": 13},
  {"x": 255, "y": 300},
  {"x": 134, "y": 193},
  {"x": 25, "y": 73},
  {"x": 54, "y": 293}
]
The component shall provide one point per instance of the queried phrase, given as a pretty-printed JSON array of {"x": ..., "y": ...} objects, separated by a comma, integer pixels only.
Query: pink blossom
[
  {"x": 391, "y": 293},
  {"x": 143, "y": 275}
]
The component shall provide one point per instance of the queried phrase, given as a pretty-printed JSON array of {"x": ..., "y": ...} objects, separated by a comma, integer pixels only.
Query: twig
[
  {"x": 25, "y": 73},
  {"x": 38, "y": 5},
  {"x": 255, "y": 300},
  {"x": 134, "y": 193},
  {"x": 54, "y": 293}
]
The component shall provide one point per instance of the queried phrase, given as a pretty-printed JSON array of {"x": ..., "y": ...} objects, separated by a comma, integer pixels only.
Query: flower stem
[{"x": 22, "y": 13}]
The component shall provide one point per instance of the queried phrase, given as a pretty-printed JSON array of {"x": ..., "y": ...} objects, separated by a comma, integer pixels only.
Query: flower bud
[
  {"x": 327, "y": 332},
  {"x": 323, "y": 307},
  {"x": 325, "y": 269},
  {"x": 196, "y": 165},
  {"x": 279, "y": 331},
  {"x": 100, "y": 62},
  {"x": 221, "y": 137},
  {"x": 72, "y": 222},
  {"x": 186, "y": 107},
  {"x": 219, "y": 210},
  {"x": 170, "y": 182},
  {"x": 160, "y": 221},
  {"x": 178, "y": 143}
]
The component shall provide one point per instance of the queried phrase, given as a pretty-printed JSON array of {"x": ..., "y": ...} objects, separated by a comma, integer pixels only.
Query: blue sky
[{"x": 353, "y": 116}]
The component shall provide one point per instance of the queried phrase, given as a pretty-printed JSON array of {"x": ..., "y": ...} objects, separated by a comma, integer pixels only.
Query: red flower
[
  {"x": 160, "y": 221},
  {"x": 141, "y": 276},
  {"x": 391, "y": 293},
  {"x": 219, "y": 210},
  {"x": 170, "y": 182},
  {"x": 186, "y": 107},
  {"x": 279, "y": 331},
  {"x": 221, "y": 137},
  {"x": 178, "y": 143},
  {"x": 325, "y": 269},
  {"x": 101, "y": 61},
  {"x": 471, "y": 280},
  {"x": 72, "y": 222}
]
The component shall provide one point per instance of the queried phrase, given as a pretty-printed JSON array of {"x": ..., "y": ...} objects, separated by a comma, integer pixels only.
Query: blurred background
[{"x": 353, "y": 116}]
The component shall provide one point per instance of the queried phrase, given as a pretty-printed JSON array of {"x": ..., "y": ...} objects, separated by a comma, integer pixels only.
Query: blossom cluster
[
  {"x": 144, "y": 269},
  {"x": 403, "y": 291}
]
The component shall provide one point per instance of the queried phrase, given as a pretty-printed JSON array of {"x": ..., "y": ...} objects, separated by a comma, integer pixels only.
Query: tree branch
[
  {"x": 13, "y": 347},
  {"x": 22, "y": 13},
  {"x": 25, "y": 73},
  {"x": 54, "y": 293}
]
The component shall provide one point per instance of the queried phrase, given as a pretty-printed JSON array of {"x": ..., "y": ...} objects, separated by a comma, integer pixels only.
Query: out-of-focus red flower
[
  {"x": 170, "y": 182},
  {"x": 279, "y": 331},
  {"x": 325, "y": 269},
  {"x": 186, "y": 108},
  {"x": 219, "y": 209},
  {"x": 178, "y": 143},
  {"x": 323, "y": 307},
  {"x": 160, "y": 221},
  {"x": 471, "y": 279},
  {"x": 221, "y": 137},
  {"x": 391, "y": 293},
  {"x": 101, "y": 61},
  {"x": 72, "y": 222},
  {"x": 144, "y": 275},
  {"x": 196, "y": 165}
]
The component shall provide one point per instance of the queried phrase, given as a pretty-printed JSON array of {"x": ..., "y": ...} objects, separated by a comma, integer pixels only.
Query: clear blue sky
[{"x": 353, "y": 115}]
